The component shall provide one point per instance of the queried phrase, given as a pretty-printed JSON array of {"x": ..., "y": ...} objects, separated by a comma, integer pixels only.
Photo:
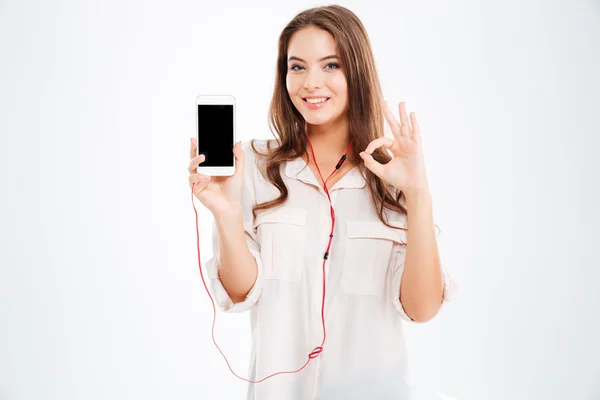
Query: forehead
[{"x": 311, "y": 44}]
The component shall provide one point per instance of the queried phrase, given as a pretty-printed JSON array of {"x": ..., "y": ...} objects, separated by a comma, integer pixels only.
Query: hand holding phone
[{"x": 220, "y": 194}]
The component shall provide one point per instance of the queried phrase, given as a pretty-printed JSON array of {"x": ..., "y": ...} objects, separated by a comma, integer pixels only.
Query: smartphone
[{"x": 216, "y": 134}]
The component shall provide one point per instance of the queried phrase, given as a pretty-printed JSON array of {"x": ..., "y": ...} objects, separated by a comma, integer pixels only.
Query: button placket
[{"x": 317, "y": 289}]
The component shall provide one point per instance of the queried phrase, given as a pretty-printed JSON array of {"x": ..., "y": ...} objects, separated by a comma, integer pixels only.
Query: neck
[{"x": 329, "y": 141}]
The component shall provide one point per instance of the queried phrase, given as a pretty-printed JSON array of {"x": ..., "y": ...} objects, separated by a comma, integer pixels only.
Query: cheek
[
  {"x": 339, "y": 86},
  {"x": 292, "y": 84}
]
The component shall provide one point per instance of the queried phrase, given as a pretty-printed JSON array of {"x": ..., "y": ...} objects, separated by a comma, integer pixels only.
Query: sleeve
[
  {"x": 219, "y": 293},
  {"x": 400, "y": 256}
]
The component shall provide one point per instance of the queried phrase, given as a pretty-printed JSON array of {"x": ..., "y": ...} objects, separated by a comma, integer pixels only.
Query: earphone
[{"x": 317, "y": 350}]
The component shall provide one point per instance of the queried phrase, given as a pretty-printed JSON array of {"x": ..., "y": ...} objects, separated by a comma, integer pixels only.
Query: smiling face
[{"x": 315, "y": 81}]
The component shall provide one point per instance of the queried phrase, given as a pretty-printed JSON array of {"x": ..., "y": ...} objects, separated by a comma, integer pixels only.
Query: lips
[{"x": 315, "y": 106}]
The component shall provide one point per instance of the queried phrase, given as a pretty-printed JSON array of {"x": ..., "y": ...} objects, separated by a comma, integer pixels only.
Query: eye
[
  {"x": 295, "y": 67},
  {"x": 335, "y": 66}
]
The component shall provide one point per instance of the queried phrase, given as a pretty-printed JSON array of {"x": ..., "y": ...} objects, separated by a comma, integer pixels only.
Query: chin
[
  {"x": 321, "y": 118},
  {"x": 318, "y": 119}
]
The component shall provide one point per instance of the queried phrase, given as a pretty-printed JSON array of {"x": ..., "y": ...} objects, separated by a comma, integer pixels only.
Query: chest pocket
[
  {"x": 367, "y": 256},
  {"x": 282, "y": 237}
]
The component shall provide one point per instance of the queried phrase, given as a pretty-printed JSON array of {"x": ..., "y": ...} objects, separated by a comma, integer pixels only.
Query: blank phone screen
[{"x": 215, "y": 134}]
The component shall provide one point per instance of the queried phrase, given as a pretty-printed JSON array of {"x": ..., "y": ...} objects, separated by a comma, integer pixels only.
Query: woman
[{"x": 328, "y": 268}]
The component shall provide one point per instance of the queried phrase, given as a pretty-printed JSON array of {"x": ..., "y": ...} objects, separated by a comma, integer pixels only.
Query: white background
[{"x": 100, "y": 293}]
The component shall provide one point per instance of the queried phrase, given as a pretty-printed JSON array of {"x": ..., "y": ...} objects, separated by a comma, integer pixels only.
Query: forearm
[
  {"x": 237, "y": 266},
  {"x": 421, "y": 289}
]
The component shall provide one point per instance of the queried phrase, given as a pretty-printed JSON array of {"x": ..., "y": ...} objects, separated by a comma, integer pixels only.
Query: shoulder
[{"x": 256, "y": 152}]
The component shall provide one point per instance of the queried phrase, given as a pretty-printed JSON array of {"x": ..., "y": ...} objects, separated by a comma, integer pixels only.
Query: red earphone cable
[{"x": 317, "y": 350}]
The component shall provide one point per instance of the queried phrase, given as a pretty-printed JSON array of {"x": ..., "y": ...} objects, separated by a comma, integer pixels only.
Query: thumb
[{"x": 240, "y": 158}]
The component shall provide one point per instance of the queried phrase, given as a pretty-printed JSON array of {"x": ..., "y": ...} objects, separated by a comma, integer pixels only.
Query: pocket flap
[
  {"x": 374, "y": 230},
  {"x": 287, "y": 215}
]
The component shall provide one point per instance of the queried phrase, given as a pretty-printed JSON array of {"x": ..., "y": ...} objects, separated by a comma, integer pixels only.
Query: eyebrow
[{"x": 321, "y": 59}]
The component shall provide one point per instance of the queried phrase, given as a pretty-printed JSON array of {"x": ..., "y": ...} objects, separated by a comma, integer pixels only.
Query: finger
[
  {"x": 405, "y": 126},
  {"x": 199, "y": 182},
  {"x": 194, "y": 163},
  {"x": 195, "y": 178},
  {"x": 391, "y": 120},
  {"x": 372, "y": 164},
  {"x": 403, "y": 116},
  {"x": 386, "y": 142},
  {"x": 415, "y": 126},
  {"x": 193, "y": 147},
  {"x": 239, "y": 159},
  {"x": 198, "y": 187}
]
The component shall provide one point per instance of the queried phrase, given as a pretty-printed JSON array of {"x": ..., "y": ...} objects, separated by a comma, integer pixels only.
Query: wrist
[
  {"x": 417, "y": 197},
  {"x": 229, "y": 215}
]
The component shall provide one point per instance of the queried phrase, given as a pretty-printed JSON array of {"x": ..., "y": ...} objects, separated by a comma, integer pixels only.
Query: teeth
[{"x": 316, "y": 101}]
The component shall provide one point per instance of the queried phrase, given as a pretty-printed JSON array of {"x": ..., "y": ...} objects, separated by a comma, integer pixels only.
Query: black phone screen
[{"x": 215, "y": 134}]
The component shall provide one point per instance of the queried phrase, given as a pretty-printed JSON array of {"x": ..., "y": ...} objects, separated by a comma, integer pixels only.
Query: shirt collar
[{"x": 298, "y": 169}]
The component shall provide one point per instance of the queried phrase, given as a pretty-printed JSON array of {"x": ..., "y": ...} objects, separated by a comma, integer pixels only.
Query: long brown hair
[{"x": 364, "y": 112}]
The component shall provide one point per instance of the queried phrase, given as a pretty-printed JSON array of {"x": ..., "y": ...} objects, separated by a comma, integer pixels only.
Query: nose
[{"x": 314, "y": 81}]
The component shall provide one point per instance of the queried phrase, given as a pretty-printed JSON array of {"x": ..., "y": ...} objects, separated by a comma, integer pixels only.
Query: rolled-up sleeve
[
  {"x": 218, "y": 291},
  {"x": 220, "y": 295},
  {"x": 400, "y": 256}
]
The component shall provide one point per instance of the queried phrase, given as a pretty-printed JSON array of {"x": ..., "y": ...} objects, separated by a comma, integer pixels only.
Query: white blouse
[{"x": 364, "y": 353}]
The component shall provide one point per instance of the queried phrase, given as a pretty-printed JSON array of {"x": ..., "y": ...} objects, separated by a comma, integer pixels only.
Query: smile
[
  {"x": 316, "y": 103},
  {"x": 316, "y": 100}
]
